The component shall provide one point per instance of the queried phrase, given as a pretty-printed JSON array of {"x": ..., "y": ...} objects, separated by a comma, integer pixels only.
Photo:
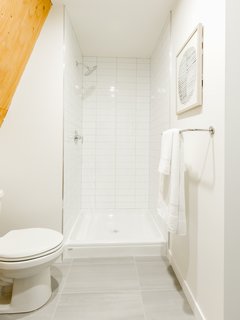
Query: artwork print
[{"x": 189, "y": 73}]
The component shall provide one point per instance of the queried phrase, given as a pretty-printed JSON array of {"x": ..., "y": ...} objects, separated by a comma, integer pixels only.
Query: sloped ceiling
[{"x": 20, "y": 24}]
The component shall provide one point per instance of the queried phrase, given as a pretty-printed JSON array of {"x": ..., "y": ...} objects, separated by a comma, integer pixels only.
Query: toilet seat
[{"x": 26, "y": 244}]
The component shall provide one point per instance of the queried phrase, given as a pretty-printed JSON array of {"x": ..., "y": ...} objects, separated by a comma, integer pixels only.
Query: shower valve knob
[{"x": 77, "y": 137}]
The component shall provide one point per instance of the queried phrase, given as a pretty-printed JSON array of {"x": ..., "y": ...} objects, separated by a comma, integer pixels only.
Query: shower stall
[{"x": 112, "y": 133}]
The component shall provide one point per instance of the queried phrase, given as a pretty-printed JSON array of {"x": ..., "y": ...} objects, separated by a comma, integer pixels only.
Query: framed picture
[{"x": 189, "y": 80}]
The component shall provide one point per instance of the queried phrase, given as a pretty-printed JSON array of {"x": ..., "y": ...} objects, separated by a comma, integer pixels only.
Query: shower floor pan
[{"x": 115, "y": 233}]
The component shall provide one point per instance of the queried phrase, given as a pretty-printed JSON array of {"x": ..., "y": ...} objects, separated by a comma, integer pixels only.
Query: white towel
[
  {"x": 172, "y": 207},
  {"x": 166, "y": 152},
  {"x": 164, "y": 170},
  {"x": 176, "y": 220}
]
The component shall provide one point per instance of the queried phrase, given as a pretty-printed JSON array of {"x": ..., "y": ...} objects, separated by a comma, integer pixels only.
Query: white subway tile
[
  {"x": 143, "y": 70},
  {"x": 126, "y": 75},
  {"x": 125, "y": 204},
  {"x": 90, "y": 59},
  {"x": 103, "y": 171},
  {"x": 105, "y": 205},
  {"x": 126, "y": 60},
  {"x": 127, "y": 165},
  {"x": 127, "y": 66},
  {"x": 107, "y": 60},
  {"x": 105, "y": 138},
  {"x": 143, "y": 79},
  {"x": 104, "y": 175},
  {"x": 144, "y": 60},
  {"x": 106, "y": 116},
  {"x": 90, "y": 77},
  {"x": 142, "y": 205},
  {"x": 120, "y": 125},
  {"x": 125, "y": 172},
  {"x": 125, "y": 193},
  {"x": 106, "y": 78},
  {"x": 122, "y": 184},
  {"x": 126, "y": 100},
  {"x": 105, "y": 184},
  {"x": 105, "y": 194},
  {"x": 104, "y": 67}
]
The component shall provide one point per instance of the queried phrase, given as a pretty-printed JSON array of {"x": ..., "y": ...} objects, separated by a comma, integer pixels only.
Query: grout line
[
  {"x": 140, "y": 289},
  {"x": 103, "y": 292}
]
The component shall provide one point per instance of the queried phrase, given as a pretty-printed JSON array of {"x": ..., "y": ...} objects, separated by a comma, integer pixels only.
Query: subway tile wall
[
  {"x": 72, "y": 121},
  {"x": 159, "y": 114},
  {"x": 115, "y": 163}
]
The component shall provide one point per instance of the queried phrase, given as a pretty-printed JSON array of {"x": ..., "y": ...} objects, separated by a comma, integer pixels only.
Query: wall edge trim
[{"x": 186, "y": 289}]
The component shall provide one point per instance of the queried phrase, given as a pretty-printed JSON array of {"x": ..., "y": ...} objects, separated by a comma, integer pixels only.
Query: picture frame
[{"x": 189, "y": 72}]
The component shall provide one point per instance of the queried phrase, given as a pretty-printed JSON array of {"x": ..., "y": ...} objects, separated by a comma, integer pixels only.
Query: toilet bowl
[{"x": 25, "y": 259}]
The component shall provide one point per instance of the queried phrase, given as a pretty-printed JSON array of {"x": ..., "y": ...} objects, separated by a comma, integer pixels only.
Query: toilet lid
[{"x": 26, "y": 243}]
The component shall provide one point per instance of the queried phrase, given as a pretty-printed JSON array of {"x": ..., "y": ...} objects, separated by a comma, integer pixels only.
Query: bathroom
[{"x": 80, "y": 148}]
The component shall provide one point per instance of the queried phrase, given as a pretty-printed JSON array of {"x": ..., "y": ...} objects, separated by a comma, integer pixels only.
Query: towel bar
[{"x": 211, "y": 130}]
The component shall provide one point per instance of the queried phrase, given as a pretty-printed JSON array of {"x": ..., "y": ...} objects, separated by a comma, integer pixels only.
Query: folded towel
[
  {"x": 166, "y": 151},
  {"x": 172, "y": 201}
]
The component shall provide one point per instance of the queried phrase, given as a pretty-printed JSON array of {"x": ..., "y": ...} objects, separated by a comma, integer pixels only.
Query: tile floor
[{"x": 113, "y": 289}]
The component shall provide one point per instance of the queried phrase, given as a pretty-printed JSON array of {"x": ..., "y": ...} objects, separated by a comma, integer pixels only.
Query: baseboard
[{"x": 186, "y": 289}]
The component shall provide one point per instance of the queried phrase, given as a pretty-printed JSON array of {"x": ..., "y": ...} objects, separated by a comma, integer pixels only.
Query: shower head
[{"x": 89, "y": 69}]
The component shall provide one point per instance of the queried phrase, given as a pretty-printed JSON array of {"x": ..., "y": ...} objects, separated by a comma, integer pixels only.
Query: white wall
[
  {"x": 72, "y": 121},
  {"x": 198, "y": 257},
  {"x": 232, "y": 168},
  {"x": 159, "y": 115},
  {"x": 116, "y": 133},
  {"x": 31, "y": 137}
]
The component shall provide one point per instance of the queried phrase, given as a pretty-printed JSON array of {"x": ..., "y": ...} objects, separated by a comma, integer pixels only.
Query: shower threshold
[{"x": 115, "y": 233}]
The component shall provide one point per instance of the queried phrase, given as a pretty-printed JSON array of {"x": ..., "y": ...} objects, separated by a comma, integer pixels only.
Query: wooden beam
[{"x": 20, "y": 24}]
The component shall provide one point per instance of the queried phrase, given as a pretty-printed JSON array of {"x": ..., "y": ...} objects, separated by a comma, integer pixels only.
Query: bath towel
[{"x": 172, "y": 205}]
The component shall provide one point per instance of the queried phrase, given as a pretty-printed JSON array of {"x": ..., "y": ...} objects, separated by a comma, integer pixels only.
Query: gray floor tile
[
  {"x": 101, "y": 278},
  {"x": 156, "y": 275},
  {"x": 166, "y": 305},
  {"x": 119, "y": 306},
  {"x": 46, "y": 312},
  {"x": 113, "y": 289}
]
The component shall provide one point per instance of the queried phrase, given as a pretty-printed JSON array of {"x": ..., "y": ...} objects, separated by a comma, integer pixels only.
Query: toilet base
[{"x": 29, "y": 294}]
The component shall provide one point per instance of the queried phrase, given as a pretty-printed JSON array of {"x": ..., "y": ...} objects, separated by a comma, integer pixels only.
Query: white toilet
[{"x": 25, "y": 259}]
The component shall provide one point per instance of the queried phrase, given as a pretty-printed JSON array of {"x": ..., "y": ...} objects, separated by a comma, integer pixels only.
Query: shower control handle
[{"x": 77, "y": 137}]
